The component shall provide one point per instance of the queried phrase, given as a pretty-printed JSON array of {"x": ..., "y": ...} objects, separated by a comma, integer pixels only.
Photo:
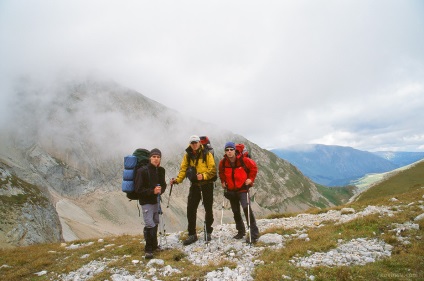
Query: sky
[{"x": 280, "y": 73}]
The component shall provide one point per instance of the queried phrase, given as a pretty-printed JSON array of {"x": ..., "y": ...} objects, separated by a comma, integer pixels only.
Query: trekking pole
[
  {"x": 170, "y": 192},
  {"x": 161, "y": 226},
  {"x": 204, "y": 221},
  {"x": 248, "y": 217},
  {"x": 222, "y": 215}
]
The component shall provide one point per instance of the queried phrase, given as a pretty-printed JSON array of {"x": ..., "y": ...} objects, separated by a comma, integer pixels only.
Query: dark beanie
[
  {"x": 230, "y": 144},
  {"x": 155, "y": 151}
]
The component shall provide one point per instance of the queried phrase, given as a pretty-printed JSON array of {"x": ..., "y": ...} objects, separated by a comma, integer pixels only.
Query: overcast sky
[{"x": 279, "y": 73}]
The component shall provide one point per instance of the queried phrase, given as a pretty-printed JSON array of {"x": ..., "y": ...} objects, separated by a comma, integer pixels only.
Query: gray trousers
[{"x": 150, "y": 214}]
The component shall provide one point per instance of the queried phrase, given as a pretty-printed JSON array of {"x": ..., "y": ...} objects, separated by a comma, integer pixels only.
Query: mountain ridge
[
  {"x": 69, "y": 139},
  {"x": 400, "y": 158}
]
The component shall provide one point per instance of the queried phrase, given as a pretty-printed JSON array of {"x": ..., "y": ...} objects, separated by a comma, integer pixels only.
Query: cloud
[{"x": 279, "y": 73}]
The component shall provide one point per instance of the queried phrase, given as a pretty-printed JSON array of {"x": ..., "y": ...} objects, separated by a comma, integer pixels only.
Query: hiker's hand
[
  {"x": 158, "y": 189},
  {"x": 199, "y": 177},
  {"x": 173, "y": 181},
  {"x": 224, "y": 185},
  {"x": 248, "y": 182}
]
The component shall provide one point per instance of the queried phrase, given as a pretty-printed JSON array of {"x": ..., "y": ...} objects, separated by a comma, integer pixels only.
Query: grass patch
[
  {"x": 116, "y": 252},
  {"x": 336, "y": 195},
  {"x": 403, "y": 182},
  {"x": 281, "y": 215},
  {"x": 405, "y": 263}
]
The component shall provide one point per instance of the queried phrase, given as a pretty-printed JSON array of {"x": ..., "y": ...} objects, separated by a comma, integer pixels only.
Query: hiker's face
[
  {"x": 230, "y": 152},
  {"x": 195, "y": 145},
  {"x": 155, "y": 160}
]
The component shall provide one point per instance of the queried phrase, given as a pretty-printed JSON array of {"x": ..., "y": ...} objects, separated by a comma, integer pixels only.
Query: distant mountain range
[
  {"x": 401, "y": 158},
  {"x": 332, "y": 165}
]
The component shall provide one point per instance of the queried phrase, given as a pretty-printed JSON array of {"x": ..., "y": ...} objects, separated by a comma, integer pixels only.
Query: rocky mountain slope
[
  {"x": 68, "y": 140},
  {"x": 27, "y": 215}
]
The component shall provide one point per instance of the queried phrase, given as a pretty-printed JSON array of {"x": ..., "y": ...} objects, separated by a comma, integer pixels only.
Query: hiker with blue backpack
[
  {"x": 150, "y": 184},
  {"x": 237, "y": 173},
  {"x": 198, "y": 165}
]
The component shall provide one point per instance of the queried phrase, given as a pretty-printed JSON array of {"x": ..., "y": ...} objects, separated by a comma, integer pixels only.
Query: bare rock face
[{"x": 27, "y": 216}]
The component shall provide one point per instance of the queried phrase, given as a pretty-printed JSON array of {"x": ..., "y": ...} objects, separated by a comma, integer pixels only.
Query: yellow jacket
[{"x": 207, "y": 168}]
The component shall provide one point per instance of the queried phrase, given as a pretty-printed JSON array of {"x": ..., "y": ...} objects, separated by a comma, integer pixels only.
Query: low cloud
[{"x": 279, "y": 73}]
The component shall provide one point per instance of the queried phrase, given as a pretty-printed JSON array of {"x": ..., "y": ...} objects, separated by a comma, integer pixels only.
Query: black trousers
[
  {"x": 196, "y": 194},
  {"x": 242, "y": 199}
]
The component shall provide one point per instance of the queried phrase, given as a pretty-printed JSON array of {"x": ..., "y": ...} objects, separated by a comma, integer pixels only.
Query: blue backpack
[{"x": 132, "y": 163}]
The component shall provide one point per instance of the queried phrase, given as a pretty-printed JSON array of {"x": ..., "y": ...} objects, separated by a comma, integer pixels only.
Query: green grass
[
  {"x": 118, "y": 252},
  {"x": 336, "y": 195},
  {"x": 403, "y": 182}
]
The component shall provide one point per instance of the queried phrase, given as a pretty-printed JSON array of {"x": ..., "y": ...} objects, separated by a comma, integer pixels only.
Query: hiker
[
  {"x": 150, "y": 180},
  {"x": 198, "y": 165},
  {"x": 237, "y": 174}
]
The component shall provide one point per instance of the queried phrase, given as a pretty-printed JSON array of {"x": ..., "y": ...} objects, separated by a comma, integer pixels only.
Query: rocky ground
[{"x": 354, "y": 252}]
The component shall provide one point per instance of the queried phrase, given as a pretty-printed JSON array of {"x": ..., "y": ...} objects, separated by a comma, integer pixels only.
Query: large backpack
[
  {"x": 132, "y": 163},
  {"x": 204, "y": 140},
  {"x": 242, "y": 150}
]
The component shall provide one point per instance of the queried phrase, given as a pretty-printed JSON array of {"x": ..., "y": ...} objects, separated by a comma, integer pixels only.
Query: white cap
[{"x": 194, "y": 138}]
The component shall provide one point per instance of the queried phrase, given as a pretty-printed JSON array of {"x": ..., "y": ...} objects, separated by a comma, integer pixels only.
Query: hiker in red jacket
[{"x": 237, "y": 174}]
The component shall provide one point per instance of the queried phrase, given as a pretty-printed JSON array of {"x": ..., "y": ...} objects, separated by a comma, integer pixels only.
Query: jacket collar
[
  {"x": 150, "y": 165},
  {"x": 190, "y": 151},
  {"x": 228, "y": 159}
]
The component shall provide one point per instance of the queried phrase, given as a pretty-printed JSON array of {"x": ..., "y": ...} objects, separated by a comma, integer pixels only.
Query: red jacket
[{"x": 236, "y": 176}]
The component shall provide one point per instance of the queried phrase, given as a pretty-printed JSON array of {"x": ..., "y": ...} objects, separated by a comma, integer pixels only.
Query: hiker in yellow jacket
[{"x": 198, "y": 165}]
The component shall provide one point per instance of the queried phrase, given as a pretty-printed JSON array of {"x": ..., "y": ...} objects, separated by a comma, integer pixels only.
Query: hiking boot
[
  {"x": 148, "y": 255},
  {"x": 157, "y": 248},
  {"x": 190, "y": 240},
  {"x": 239, "y": 236}
]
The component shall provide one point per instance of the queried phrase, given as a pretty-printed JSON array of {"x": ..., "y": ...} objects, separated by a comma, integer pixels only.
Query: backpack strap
[
  {"x": 148, "y": 174},
  {"x": 247, "y": 170},
  {"x": 204, "y": 153}
]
